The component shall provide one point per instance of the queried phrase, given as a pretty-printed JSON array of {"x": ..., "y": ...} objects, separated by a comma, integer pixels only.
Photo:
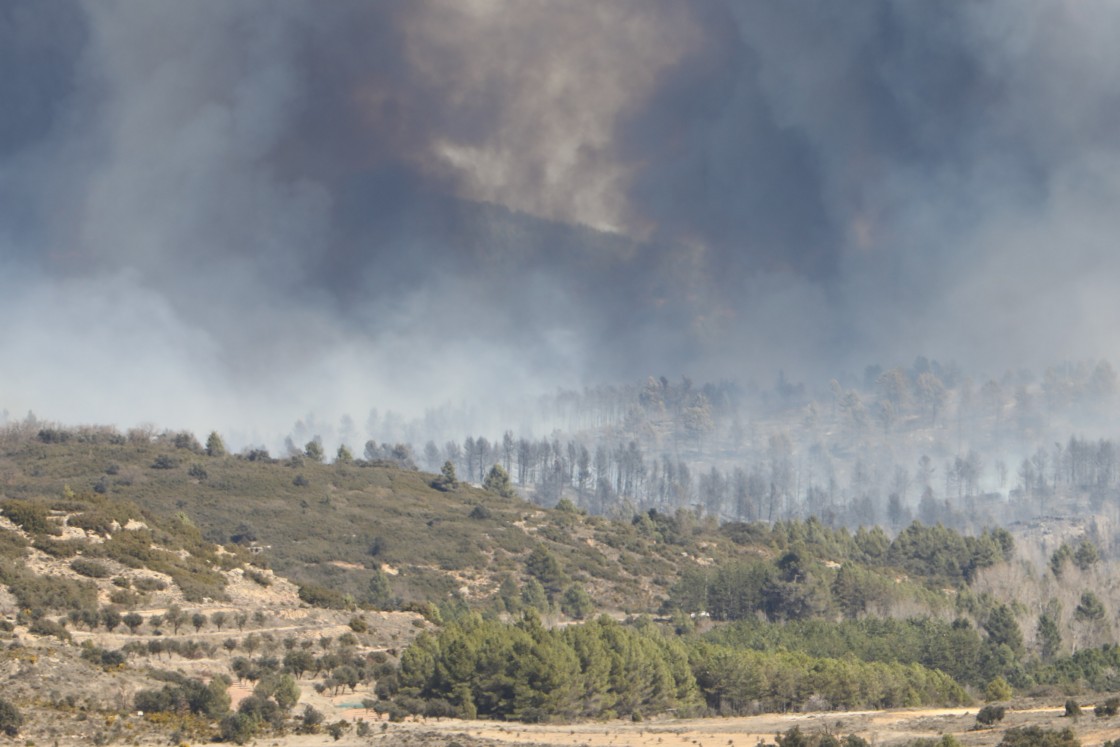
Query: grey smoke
[{"x": 220, "y": 214}]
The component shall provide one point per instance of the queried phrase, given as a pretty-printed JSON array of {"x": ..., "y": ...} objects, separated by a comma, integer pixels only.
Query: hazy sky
[{"x": 240, "y": 211}]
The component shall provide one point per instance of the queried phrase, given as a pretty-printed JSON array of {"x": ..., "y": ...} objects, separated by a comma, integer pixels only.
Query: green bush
[
  {"x": 55, "y": 549},
  {"x": 261, "y": 579},
  {"x": 147, "y": 583},
  {"x": 43, "y": 626},
  {"x": 29, "y": 516},
  {"x": 321, "y": 596},
  {"x": 796, "y": 738},
  {"x": 165, "y": 461},
  {"x": 89, "y": 568},
  {"x": 186, "y": 695},
  {"x": 310, "y": 720},
  {"x": 998, "y": 689},
  {"x": 1107, "y": 709},
  {"x": 990, "y": 714},
  {"x": 10, "y": 718},
  {"x": 102, "y": 657},
  {"x": 124, "y": 597},
  {"x": 338, "y": 728},
  {"x": 576, "y": 603},
  {"x": 12, "y": 545},
  {"x": 48, "y": 592},
  {"x": 1035, "y": 736}
]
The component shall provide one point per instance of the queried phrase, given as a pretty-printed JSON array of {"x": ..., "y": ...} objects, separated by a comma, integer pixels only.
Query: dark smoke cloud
[{"x": 217, "y": 214}]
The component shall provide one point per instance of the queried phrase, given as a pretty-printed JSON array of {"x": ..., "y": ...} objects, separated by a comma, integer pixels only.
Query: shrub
[
  {"x": 186, "y": 695},
  {"x": 797, "y": 738},
  {"x": 48, "y": 592},
  {"x": 31, "y": 517},
  {"x": 110, "y": 618},
  {"x": 89, "y": 568},
  {"x": 43, "y": 626},
  {"x": 55, "y": 549},
  {"x": 311, "y": 719},
  {"x": 238, "y": 728},
  {"x": 147, "y": 583},
  {"x": 998, "y": 689},
  {"x": 565, "y": 505},
  {"x": 321, "y": 596},
  {"x": 10, "y": 718},
  {"x": 577, "y": 603},
  {"x": 338, "y": 728},
  {"x": 54, "y": 436},
  {"x": 990, "y": 714},
  {"x": 1035, "y": 736},
  {"x": 215, "y": 446},
  {"x": 1108, "y": 708},
  {"x": 261, "y": 579},
  {"x": 1073, "y": 710},
  {"x": 124, "y": 597},
  {"x": 12, "y": 545},
  {"x": 186, "y": 440},
  {"x": 165, "y": 461},
  {"x": 94, "y": 520},
  {"x": 102, "y": 657}
]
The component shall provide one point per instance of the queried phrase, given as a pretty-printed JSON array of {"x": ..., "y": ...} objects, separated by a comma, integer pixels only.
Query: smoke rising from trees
[{"x": 216, "y": 213}]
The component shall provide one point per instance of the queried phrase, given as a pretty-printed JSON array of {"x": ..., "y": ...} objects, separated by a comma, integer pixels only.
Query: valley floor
[{"x": 878, "y": 727}]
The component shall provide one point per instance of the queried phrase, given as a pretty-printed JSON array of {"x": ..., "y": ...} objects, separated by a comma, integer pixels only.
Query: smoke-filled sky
[{"x": 237, "y": 212}]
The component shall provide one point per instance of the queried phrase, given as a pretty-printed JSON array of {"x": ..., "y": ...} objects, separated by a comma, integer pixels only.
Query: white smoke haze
[{"x": 233, "y": 215}]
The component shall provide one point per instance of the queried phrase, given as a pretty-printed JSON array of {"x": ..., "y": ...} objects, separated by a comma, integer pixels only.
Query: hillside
[
  {"x": 216, "y": 592},
  {"x": 90, "y": 629},
  {"x": 377, "y": 534},
  {"x": 336, "y": 525}
]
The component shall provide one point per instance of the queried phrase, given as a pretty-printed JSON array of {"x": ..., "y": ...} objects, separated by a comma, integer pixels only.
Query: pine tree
[
  {"x": 1049, "y": 636},
  {"x": 380, "y": 593},
  {"x": 1003, "y": 628},
  {"x": 447, "y": 480},
  {"x": 497, "y": 481},
  {"x": 215, "y": 447}
]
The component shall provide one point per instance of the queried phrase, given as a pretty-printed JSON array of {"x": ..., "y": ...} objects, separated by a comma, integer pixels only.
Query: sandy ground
[{"x": 878, "y": 727}]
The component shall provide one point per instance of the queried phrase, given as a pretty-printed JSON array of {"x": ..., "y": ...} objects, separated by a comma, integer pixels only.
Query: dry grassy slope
[
  {"x": 423, "y": 534},
  {"x": 334, "y": 524},
  {"x": 74, "y": 701}
]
